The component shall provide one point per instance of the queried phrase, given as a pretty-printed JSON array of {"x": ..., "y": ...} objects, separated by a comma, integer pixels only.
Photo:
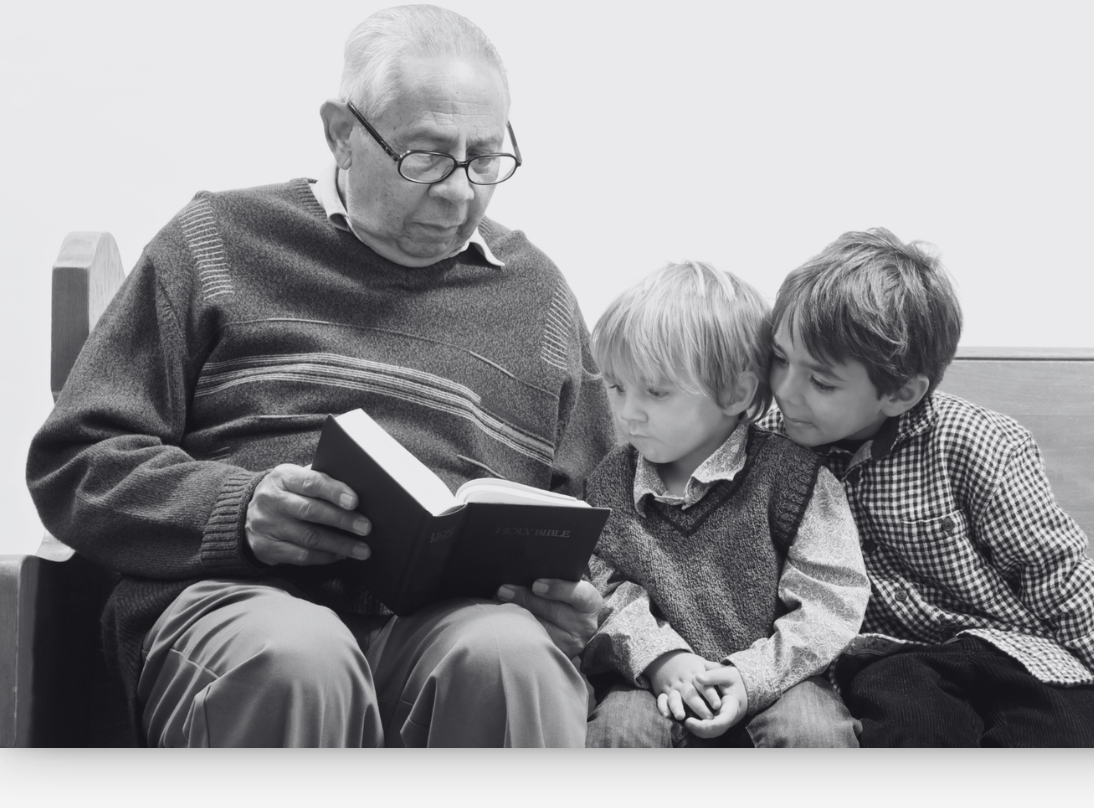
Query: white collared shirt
[{"x": 326, "y": 193}]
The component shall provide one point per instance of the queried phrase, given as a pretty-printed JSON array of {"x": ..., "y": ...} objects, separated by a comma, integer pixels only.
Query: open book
[{"x": 429, "y": 544}]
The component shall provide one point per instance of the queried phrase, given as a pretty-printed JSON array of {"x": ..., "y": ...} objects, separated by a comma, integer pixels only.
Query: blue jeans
[{"x": 808, "y": 714}]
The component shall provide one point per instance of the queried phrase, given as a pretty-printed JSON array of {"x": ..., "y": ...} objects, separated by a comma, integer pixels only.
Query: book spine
[{"x": 436, "y": 540}]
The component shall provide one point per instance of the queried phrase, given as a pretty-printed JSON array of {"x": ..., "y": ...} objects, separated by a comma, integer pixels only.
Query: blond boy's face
[
  {"x": 671, "y": 427},
  {"x": 823, "y": 402}
]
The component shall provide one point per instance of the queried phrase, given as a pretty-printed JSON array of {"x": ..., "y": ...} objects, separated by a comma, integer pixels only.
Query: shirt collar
[
  {"x": 724, "y": 464},
  {"x": 326, "y": 193},
  {"x": 893, "y": 431}
]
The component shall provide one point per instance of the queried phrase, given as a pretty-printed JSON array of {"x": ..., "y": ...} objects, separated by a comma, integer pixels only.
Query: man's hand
[
  {"x": 289, "y": 512},
  {"x": 673, "y": 679},
  {"x": 567, "y": 609},
  {"x": 727, "y": 679}
]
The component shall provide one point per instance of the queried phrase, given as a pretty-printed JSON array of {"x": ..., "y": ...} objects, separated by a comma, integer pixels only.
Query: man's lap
[{"x": 411, "y": 669}]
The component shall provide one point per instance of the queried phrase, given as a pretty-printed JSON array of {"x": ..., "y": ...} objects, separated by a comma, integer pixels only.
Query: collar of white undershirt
[{"x": 325, "y": 189}]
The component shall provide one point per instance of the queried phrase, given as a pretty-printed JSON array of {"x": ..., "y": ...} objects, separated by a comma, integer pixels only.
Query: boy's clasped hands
[{"x": 713, "y": 693}]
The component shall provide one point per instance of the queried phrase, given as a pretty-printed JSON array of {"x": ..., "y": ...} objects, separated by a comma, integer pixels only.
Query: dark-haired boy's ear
[
  {"x": 909, "y": 394},
  {"x": 738, "y": 398}
]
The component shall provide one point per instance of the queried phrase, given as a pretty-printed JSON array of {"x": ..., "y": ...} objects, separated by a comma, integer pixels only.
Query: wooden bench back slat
[
  {"x": 1051, "y": 393},
  {"x": 86, "y": 274}
]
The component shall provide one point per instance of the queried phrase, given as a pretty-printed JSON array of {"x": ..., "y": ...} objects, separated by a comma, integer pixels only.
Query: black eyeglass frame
[{"x": 456, "y": 164}]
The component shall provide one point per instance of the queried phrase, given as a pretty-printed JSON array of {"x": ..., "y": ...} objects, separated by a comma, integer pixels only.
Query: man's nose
[{"x": 456, "y": 187}]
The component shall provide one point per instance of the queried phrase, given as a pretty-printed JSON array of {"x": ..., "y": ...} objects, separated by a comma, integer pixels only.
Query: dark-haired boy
[{"x": 980, "y": 626}]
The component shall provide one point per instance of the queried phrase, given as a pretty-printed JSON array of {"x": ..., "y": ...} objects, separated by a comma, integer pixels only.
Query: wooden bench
[{"x": 54, "y": 689}]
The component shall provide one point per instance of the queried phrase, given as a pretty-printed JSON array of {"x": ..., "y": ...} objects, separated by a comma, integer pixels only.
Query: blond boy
[{"x": 730, "y": 566}]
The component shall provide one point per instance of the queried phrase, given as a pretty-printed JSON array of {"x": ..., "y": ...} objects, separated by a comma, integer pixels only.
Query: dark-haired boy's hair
[{"x": 869, "y": 297}]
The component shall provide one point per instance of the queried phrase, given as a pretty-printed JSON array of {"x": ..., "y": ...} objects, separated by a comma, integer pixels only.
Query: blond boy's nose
[{"x": 628, "y": 411}]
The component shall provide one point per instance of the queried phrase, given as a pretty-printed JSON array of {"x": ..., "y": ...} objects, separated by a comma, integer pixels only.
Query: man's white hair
[{"x": 370, "y": 76}]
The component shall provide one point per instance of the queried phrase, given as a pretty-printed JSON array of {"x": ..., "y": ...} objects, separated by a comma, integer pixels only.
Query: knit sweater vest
[
  {"x": 711, "y": 570},
  {"x": 247, "y": 320}
]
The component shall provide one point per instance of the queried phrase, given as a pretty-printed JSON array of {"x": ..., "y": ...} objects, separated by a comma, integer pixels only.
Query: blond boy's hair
[{"x": 690, "y": 324}]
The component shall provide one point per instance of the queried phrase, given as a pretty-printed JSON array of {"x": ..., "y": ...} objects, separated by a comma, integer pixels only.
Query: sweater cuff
[{"x": 223, "y": 542}]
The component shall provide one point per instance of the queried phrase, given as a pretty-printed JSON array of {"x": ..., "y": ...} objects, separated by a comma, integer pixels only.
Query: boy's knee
[
  {"x": 810, "y": 714},
  {"x": 627, "y": 716}
]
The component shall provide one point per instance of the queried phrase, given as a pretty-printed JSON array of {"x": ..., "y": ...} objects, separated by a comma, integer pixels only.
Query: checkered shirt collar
[{"x": 918, "y": 420}]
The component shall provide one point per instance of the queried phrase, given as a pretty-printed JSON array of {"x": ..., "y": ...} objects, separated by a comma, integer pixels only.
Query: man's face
[
  {"x": 668, "y": 425},
  {"x": 450, "y": 106},
  {"x": 821, "y": 402}
]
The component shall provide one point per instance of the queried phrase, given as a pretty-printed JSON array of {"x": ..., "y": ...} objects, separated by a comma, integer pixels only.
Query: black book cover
[{"x": 469, "y": 551}]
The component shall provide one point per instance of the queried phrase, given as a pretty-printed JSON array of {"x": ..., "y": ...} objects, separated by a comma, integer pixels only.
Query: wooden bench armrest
[{"x": 54, "y": 690}]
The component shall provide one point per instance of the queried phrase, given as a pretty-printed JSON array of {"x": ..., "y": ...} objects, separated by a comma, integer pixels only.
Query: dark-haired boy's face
[{"x": 823, "y": 402}]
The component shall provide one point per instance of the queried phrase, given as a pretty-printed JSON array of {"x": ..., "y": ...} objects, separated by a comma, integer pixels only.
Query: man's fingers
[
  {"x": 275, "y": 551},
  {"x": 309, "y": 496},
  {"x": 315, "y": 485},
  {"x": 290, "y": 516},
  {"x": 581, "y": 596},
  {"x": 317, "y": 511},
  {"x": 554, "y": 611}
]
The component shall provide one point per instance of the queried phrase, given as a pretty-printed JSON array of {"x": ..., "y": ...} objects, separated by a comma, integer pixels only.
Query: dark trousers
[{"x": 965, "y": 693}]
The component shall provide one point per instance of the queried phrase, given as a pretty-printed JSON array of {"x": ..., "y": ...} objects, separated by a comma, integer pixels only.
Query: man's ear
[
  {"x": 739, "y": 396},
  {"x": 909, "y": 394},
  {"x": 338, "y": 126}
]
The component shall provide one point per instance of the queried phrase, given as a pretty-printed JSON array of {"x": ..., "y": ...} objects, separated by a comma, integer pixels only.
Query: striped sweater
[{"x": 247, "y": 320}]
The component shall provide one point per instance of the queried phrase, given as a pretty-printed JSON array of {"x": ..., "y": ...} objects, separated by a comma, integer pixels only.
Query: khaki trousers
[{"x": 252, "y": 663}]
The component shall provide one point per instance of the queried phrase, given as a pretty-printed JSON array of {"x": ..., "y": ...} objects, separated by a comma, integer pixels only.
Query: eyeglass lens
[{"x": 489, "y": 169}]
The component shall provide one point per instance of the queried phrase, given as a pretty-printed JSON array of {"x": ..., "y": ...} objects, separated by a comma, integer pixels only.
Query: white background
[{"x": 746, "y": 134}]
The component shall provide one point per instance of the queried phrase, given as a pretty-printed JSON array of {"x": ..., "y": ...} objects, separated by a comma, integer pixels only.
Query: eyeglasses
[{"x": 428, "y": 167}]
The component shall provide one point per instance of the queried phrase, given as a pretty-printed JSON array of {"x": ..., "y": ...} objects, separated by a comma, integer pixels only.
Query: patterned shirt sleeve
[
  {"x": 825, "y": 588},
  {"x": 1035, "y": 544},
  {"x": 630, "y": 637}
]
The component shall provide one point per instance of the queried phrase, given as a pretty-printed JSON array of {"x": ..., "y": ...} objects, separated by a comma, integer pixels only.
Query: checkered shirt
[{"x": 961, "y": 535}]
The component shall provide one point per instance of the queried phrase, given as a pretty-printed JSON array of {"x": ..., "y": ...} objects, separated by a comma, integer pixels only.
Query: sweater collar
[
  {"x": 325, "y": 189},
  {"x": 724, "y": 464}
]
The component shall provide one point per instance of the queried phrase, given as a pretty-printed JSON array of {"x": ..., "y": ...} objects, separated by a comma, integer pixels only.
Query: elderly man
[{"x": 176, "y": 454}]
